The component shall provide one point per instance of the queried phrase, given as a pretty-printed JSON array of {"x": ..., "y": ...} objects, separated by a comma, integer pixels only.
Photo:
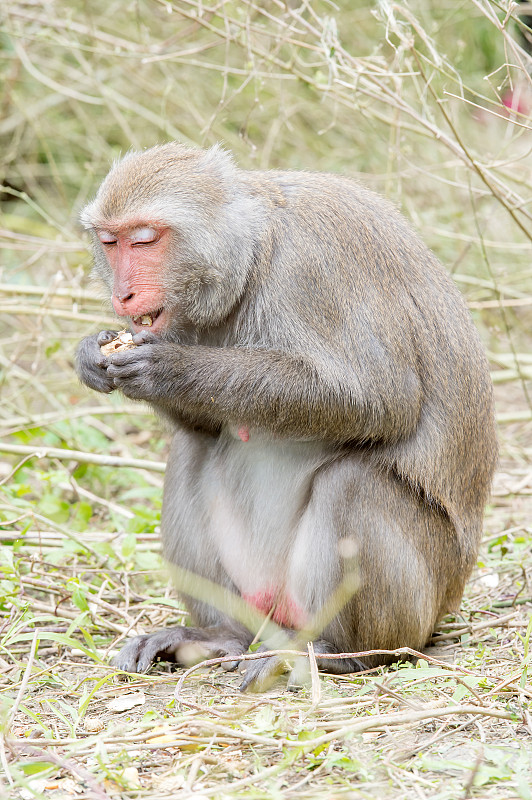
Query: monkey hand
[
  {"x": 184, "y": 646},
  {"x": 91, "y": 364},
  {"x": 140, "y": 372}
]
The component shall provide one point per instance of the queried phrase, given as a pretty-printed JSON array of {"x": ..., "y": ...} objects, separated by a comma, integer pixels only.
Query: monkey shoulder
[
  {"x": 318, "y": 188},
  {"x": 338, "y": 216}
]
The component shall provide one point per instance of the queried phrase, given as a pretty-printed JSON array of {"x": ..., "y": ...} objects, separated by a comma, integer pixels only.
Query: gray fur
[{"x": 306, "y": 309}]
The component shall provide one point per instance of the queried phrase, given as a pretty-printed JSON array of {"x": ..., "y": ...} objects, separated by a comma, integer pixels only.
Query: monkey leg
[{"x": 368, "y": 529}]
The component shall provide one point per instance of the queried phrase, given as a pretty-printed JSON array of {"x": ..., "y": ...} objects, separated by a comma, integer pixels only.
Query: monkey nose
[{"x": 122, "y": 302}]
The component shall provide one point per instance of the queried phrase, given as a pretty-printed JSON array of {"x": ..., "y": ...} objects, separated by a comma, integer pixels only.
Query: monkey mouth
[{"x": 147, "y": 320}]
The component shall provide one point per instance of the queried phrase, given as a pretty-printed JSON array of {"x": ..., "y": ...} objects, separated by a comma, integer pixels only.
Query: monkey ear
[
  {"x": 216, "y": 154},
  {"x": 222, "y": 161},
  {"x": 86, "y": 215}
]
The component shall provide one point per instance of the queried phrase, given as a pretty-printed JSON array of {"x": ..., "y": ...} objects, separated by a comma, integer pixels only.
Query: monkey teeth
[{"x": 147, "y": 320}]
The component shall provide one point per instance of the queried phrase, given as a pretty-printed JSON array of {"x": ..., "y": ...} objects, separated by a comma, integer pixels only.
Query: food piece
[{"x": 123, "y": 341}]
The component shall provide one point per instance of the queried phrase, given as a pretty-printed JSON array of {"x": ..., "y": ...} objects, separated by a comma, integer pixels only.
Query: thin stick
[
  {"x": 85, "y": 458},
  {"x": 25, "y": 680},
  {"x": 314, "y": 677},
  {"x": 46, "y": 311},
  {"x": 79, "y": 295}
]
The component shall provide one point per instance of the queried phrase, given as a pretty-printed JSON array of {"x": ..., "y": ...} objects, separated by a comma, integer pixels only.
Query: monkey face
[{"x": 134, "y": 254}]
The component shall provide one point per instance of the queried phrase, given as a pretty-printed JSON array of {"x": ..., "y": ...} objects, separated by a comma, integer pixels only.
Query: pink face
[{"x": 136, "y": 255}]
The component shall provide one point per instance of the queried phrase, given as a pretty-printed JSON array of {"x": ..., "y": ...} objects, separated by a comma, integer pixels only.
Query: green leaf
[
  {"x": 52, "y": 348},
  {"x": 54, "y": 508},
  {"x": 82, "y": 516},
  {"x": 34, "y": 767},
  {"x": 128, "y": 546},
  {"x": 459, "y": 693},
  {"x": 79, "y": 599}
]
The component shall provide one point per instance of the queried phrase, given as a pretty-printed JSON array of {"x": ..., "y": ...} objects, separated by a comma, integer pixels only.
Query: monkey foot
[
  {"x": 262, "y": 673},
  {"x": 183, "y": 646},
  {"x": 187, "y": 646}
]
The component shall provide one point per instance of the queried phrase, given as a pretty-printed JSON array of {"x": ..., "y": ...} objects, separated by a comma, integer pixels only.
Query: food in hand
[{"x": 123, "y": 341}]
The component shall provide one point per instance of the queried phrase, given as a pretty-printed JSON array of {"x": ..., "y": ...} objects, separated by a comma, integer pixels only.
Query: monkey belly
[{"x": 232, "y": 512}]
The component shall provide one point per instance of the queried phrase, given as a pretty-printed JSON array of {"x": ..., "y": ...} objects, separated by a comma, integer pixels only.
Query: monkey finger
[
  {"x": 127, "y": 357},
  {"x": 128, "y": 659},
  {"x": 91, "y": 365},
  {"x": 231, "y": 647},
  {"x": 89, "y": 355},
  {"x": 135, "y": 369},
  {"x": 229, "y": 666},
  {"x": 104, "y": 337},
  {"x": 136, "y": 387},
  {"x": 145, "y": 337},
  {"x": 122, "y": 371}
]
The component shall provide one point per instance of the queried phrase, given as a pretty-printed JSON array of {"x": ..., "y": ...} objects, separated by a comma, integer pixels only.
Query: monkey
[{"x": 326, "y": 391}]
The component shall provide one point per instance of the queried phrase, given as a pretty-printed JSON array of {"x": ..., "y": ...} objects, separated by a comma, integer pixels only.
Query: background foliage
[{"x": 412, "y": 98}]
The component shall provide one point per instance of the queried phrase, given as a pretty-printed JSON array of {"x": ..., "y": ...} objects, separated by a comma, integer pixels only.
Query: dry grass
[{"x": 410, "y": 97}]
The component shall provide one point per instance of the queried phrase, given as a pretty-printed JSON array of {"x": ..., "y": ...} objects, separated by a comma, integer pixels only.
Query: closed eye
[
  {"x": 145, "y": 235},
  {"x": 106, "y": 238}
]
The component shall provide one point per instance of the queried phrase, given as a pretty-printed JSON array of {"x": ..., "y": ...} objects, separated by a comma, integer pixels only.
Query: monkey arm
[{"x": 290, "y": 395}]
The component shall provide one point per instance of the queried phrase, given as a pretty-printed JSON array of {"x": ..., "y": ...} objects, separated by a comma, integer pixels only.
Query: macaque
[{"x": 327, "y": 394}]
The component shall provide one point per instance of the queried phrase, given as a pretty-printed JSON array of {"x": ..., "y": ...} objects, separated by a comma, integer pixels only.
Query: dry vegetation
[{"x": 410, "y": 96}]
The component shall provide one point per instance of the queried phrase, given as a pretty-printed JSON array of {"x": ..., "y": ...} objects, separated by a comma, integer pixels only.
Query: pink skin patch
[
  {"x": 134, "y": 252},
  {"x": 287, "y": 613},
  {"x": 516, "y": 101},
  {"x": 243, "y": 433}
]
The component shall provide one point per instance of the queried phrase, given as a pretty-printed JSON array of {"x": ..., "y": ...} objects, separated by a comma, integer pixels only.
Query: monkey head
[{"x": 170, "y": 229}]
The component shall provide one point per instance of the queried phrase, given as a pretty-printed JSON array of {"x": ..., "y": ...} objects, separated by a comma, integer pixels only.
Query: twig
[
  {"x": 383, "y": 721},
  {"x": 211, "y": 662},
  {"x": 47, "y": 311},
  {"x": 472, "y": 775},
  {"x": 314, "y": 676},
  {"x": 79, "y": 295},
  {"x": 94, "y": 498},
  {"x": 518, "y": 302},
  {"x": 37, "y": 420},
  {"x": 84, "y": 458},
  {"x": 472, "y": 629},
  {"x": 94, "y": 791},
  {"x": 25, "y": 680}
]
